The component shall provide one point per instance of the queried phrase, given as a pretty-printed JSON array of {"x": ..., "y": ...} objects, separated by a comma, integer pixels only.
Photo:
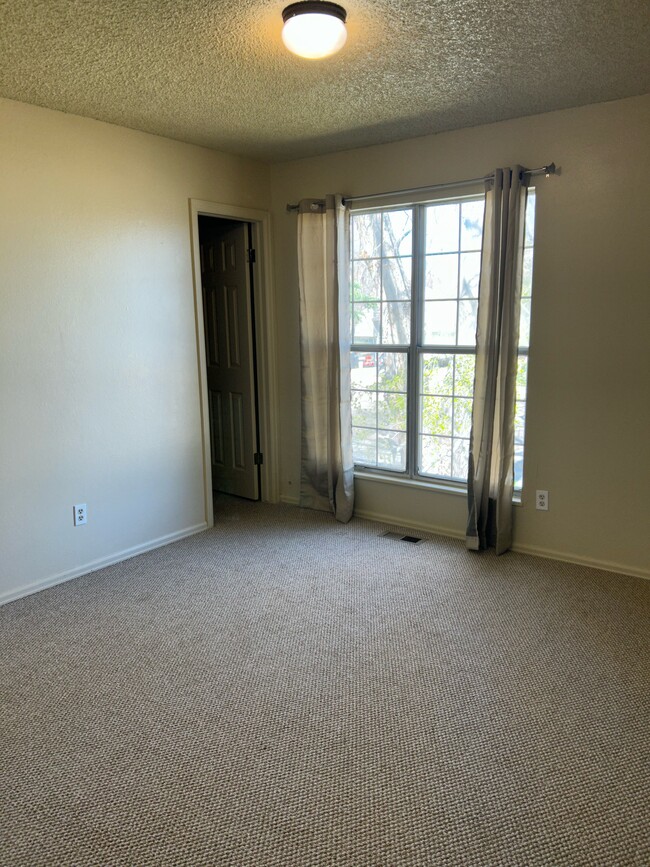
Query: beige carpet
[{"x": 284, "y": 690}]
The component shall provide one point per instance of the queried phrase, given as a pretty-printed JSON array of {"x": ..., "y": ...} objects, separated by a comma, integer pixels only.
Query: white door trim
[{"x": 264, "y": 297}]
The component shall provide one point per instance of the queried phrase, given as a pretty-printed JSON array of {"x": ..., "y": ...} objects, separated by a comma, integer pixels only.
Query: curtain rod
[{"x": 542, "y": 170}]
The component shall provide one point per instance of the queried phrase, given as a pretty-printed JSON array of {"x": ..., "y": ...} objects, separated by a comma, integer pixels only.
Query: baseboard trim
[
  {"x": 421, "y": 526},
  {"x": 591, "y": 562},
  {"x": 94, "y": 565},
  {"x": 388, "y": 519},
  {"x": 534, "y": 551}
]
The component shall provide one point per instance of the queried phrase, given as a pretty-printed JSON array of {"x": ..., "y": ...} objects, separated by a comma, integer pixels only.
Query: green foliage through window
[{"x": 425, "y": 258}]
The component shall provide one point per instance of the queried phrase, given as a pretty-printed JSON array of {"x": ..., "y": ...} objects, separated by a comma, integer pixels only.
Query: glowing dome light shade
[{"x": 314, "y": 28}]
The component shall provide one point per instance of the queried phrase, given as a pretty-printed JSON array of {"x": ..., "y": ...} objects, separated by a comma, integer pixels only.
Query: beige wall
[
  {"x": 98, "y": 373},
  {"x": 99, "y": 394},
  {"x": 588, "y": 430}
]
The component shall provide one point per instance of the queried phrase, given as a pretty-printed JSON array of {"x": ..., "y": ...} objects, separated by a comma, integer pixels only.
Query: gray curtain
[
  {"x": 327, "y": 469},
  {"x": 490, "y": 474}
]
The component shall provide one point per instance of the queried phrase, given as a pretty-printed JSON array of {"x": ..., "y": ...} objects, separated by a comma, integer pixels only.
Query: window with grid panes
[{"x": 414, "y": 299}]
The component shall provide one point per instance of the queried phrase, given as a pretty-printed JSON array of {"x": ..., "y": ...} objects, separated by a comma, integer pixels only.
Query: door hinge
[
  {"x": 250, "y": 255},
  {"x": 258, "y": 459}
]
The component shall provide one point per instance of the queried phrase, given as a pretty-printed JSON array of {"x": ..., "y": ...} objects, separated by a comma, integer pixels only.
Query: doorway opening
[
  {"x": 236, "y": 351},
  {"x": 227, "y": 283}
]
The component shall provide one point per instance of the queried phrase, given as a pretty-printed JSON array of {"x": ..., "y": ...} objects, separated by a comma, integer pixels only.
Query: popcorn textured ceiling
[{"x": 215, "y": 72}]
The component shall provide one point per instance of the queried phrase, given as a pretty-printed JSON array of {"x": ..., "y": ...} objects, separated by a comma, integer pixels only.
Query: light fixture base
[{"x": 318, "y": 7}]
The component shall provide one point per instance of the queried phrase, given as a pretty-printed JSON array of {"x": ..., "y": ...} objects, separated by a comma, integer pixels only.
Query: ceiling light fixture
[{"x": 314, "y": 28}]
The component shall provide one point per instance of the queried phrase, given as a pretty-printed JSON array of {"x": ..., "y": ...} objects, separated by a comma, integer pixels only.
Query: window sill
[
  {"x": 404, "y": 481},
  {"x": 437, "y": 486}
]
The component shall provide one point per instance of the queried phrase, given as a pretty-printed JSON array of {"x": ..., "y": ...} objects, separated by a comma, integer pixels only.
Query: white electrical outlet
[
  {"x": 541, "y": 501},
  {"x": 80, "y": 514}
]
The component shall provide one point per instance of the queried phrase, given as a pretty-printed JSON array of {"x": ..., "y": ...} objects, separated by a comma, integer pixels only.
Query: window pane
[
  {"x": 391, "y": 448},
  {"x": 527, "y": 273},
  {"x": 440, "y": 322},
  {"x": 364, "y": 446},
  {"x": 437, "y": 374},
  {"x": 441, "y": 277},
  {"x": 396, "y": 322},
  {"x": 398, "y": 237},
  {"x": 392, "y": 371},
  {"x": 462, "y": 416},
  {"x": 384, "y": 408},
  {"x": 519, "y": 467},
  {"x": 530, "y": 219},
  {"x": 520, "y": 419},
  {"x": 396, "y": 279},
  {"x": 435, "y": 456},
  {"x": 435, "y": 415},
  {"x": 364, "y": 408},
  {"x": 391, "y": 411},
  {"x": 460, "y": 459},
  {"x": 467, "y": 311},
  {"x": 442, "y": 222},
  {"x": 464, "y": 375},
  {"x": 471, "y": 225},
  {"x": 446, "y": 387},
  {"x": 363, "y": 370},
  {"x": 366, "y": 235},
  {"x": 366, "y": 280},
  {"x": 365, "y": 322},
  {"x": 524, "y": 322},
  {"x": 470, "y": 271},
  {"x": 520, "y": 422},
  {"x": 522, "y": 377}
]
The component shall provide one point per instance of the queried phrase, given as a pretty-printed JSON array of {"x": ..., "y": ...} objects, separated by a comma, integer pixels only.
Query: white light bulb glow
[{"x": 314, "y": 35}]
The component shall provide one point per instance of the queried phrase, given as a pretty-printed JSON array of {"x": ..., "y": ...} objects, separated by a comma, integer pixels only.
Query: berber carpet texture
[{"x": 286, "y": 691}]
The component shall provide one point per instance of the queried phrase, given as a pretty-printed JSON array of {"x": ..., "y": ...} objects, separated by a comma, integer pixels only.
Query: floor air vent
[{"x": 414, "y": 540}]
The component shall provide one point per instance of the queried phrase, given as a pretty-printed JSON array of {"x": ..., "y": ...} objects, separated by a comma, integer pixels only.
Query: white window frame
[{"x": 415, "y": 350}]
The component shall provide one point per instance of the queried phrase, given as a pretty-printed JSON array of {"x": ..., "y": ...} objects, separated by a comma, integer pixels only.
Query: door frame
[{"x": 265, "y": 338}]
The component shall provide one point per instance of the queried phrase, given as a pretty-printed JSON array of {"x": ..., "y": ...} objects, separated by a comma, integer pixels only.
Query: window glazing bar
[{"x": 378, "y": 347}]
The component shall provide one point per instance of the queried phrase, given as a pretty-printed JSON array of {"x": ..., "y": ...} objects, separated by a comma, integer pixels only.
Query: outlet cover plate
[
  {"x": 541, "y": 501},
  {"x": 80, "y": 514}
]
